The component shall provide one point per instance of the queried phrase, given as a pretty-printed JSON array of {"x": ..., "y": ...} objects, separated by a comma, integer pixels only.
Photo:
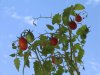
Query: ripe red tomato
[
  {"x": 23, "y": 43},
  {"x": 78, "y": 18},
  {"x": 53, "y": 41},
  {"x": 72, "y": 25}
]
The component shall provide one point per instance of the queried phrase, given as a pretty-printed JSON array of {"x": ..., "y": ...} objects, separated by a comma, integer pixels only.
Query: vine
[{"x": 56, "y": 52}]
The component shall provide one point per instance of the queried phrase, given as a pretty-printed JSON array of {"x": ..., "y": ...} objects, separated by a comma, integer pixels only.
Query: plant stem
[
  {"x": 70, "y": 62},
  {"x": 40, "y": 62},
  {"x": 23, "y": 69},
  {"x": 70, "y": 32}
]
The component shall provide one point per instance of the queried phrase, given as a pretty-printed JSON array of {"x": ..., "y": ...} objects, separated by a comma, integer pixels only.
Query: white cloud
[
  {"x": 94, "y": 2},
  {"x": 26, "y": 19},
  {"x": 95, "y": 66},
  {"x": 10, "y": 11},
  {"x": 14, "y": 15}
]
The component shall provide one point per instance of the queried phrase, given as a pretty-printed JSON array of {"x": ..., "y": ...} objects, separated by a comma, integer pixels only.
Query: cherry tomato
[
  {"x": 30, "y": 37},
  {"x": 53, "y": 41},
  {"x": 23, "y": 43}
]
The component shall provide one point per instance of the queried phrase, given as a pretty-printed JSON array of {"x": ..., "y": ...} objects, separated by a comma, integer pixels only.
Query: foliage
[{"x": 63, "y": 56}]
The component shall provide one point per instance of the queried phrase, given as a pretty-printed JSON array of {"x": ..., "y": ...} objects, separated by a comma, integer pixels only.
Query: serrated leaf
[
  {"x": 48, "y": 66},
  {"x": 63, "y": 29},
  {"x": 56, "y": 19},
  {"x": 60, "y": 70},
  {"x": 83, "y": 41},
  {"x": 66, "y": 15},
  {"x": 35, "y": 44},
  {"x": 82, "y": 30},
  {"x": 67, "y": 11},
  {"x": 65, "y": 47},
  {"x": 73, "y": 13},
  {"x": 17, "y": 63},
  {"x": 77, "y": 46},
  {"x": 42, "y": 37},
  {"x": 26, "y": 60},
  {"x": 47, "y": 50},
  {"x": 79, "y": 7},
  {"x": 20, "y": 53},
  {"x": 80, "y": 55},
  {"x": 74, "y": 38},
  {"x": 50, "y": 27},
  {"x": 13, "y": 55},
  {"x": 13, "y": 44},
  {"x": 14, "y": 47},
  {"x": 83, "y": 36},
  {"x": 37, "y": 68}
]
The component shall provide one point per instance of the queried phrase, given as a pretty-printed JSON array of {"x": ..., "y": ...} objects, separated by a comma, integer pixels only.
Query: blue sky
[{"x": 16, "y": 15}]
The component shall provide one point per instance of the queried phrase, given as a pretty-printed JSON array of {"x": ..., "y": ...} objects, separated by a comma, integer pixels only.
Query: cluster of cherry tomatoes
[
  {"x": 23, "y": 41},
  {"x": 72, "y": 23}
]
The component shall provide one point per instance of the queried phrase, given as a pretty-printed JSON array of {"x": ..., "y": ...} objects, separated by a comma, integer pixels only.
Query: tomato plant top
[{"x": 56, "y": 52}]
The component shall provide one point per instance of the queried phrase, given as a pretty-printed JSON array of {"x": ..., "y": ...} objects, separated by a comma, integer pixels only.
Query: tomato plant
[{"x": 57, "y": 52}]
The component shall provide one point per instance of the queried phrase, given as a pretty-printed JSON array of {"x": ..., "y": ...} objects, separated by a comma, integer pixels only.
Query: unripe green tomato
[{"x": 30, "y": 37}]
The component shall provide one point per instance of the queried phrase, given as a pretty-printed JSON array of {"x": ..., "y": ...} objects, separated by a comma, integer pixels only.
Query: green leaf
[
  {"x": 83, "y": 36},
  {"x": 56, "y": 19},
  {"x": 47, "y": 50},
  {"x": 73, "y": 13},
  {"x": 66, "y": 15},
  {"x": 20, "y": 53},
  {"x": 80, "y": 55},
  {"x": 77, "y": 46},
  {"x": 37, "y": 68},
  {"x": 60, "y": 70},
  {"x": 67, "y": 11},
  {"x": 79, "y": 7},
  {"x": 63, "y": 38},
  {"x": 13, "y": 55},
  {"x": 26, "y": 60},
  {"x": 82, "y": 30},
  {"x": 80, "y": 52},
  {"x": 17, "y": 63},
  {"x": 42, "y": 37},
  {"x": 83, "y": 41},
  {"x": 63, "y": 29},
  {"x": 74, "y": 38},
  {"x": 13, "y": 46},
  {"x": 35, "y": 44},
  {"x": 65, "y": 47},
  {"x": 50, "y": 27},
  {"x": 48, "y": 66}
]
